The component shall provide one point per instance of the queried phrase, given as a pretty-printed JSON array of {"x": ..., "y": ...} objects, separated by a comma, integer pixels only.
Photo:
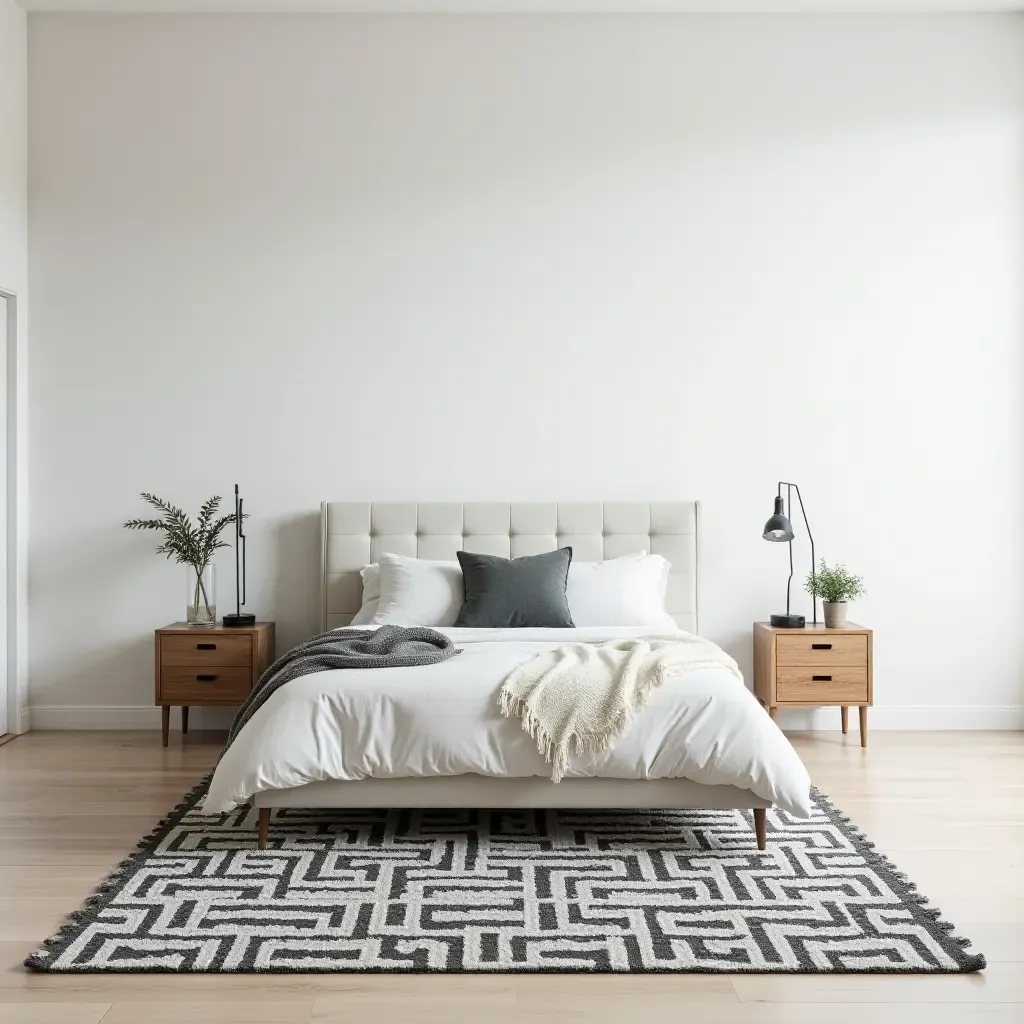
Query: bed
[{"x": 385, "y": 738}]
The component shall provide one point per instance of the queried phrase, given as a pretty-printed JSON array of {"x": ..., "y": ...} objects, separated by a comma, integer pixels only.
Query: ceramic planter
[{"x": 835, "y": 614}]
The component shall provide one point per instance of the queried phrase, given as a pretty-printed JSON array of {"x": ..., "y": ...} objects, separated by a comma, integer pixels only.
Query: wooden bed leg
[
  {"x": 264, "y": 827},
  {"x": 761, "y": 827}
]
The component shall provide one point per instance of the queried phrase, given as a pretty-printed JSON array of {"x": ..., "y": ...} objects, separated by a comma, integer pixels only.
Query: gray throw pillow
[{"x": 517, "y": 592}]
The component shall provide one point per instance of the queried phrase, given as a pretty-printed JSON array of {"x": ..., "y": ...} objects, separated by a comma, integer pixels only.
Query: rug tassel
[
  {"x": 907, "y": 889},
  {"x": 107, "y": 887}
]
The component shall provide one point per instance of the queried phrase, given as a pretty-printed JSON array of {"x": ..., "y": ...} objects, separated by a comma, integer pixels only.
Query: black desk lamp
[
  {"x": 779, "y": 529},
  {"x": 240, "y": 619}
]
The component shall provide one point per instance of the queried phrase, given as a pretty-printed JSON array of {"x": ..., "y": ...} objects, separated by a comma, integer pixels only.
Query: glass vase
[{"x": 201, "y": 597}]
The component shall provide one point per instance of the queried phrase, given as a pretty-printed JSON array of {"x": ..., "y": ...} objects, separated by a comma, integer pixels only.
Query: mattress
[{"x": 443, "y": 720}]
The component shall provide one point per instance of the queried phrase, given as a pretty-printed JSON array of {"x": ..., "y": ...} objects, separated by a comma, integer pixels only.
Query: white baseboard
[
  {"x": 924, "y": 717},
  {"x": 130, "y": 717}
]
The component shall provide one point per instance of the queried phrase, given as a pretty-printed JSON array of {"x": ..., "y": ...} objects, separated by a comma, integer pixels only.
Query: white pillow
[
  {"x": 418, "y": 592},
  {"x": 626, "y": 591},
  {"x": 371, "y": 595}
]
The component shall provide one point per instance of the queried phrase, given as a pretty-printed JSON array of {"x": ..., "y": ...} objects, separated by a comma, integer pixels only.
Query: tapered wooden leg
[
  {"x": 863, "y": 725},
  {"x": 771, "y": 712},
  {"x": 165, "y": 722},
  {"x": 846, "y": 719},
  {"x": 761, "y": 827},
  {"x": 184, "y": 720},
  {"x": 264, "y": 828}
]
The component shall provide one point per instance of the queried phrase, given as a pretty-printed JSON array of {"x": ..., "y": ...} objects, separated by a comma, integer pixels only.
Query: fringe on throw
[
  {"x": 558, "y": 754},
  {"x": 555, "y": 753}
]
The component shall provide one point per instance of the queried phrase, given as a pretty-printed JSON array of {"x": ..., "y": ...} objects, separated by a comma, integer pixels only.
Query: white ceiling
[{"x": 525, "y": 6}]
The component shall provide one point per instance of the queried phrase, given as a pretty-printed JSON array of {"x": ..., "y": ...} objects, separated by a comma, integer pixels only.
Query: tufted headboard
[{"x": 354, "y": 534}]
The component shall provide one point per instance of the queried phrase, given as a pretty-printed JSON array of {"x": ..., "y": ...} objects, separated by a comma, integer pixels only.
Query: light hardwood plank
[
  {"x": 20, "y": 916},
  {"x": 1001, "y": 942},
  {"x": 673, "y": 1010},
  {"x": 20, "y": 985},
  {"x": 296, "y": 1011},
  {"x": 68, "y": 881},
  {"x": 424, "y": 998},
  {"x": 382, "y": 1010},
  {"x": 417, "y": 988},
  {"x": 53, "y": 1013},
  {"x": 1001, "y": 983},
  {"x": 101, "y": 856},
  {"x": 564, "y": 991},
  {"x": 991, "y": 890}
]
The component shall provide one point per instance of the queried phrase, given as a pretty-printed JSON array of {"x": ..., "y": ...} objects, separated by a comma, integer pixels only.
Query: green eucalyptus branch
[{"x": 183, "y": 541}]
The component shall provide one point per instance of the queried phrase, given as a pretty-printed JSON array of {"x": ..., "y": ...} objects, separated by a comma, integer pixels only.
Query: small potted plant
[
  {"x": 192, "y": 545},
  {"x": 835, "y": 585}
]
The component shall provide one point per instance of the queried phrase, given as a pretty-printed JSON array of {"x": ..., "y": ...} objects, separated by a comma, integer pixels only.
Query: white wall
[
  {"x": 14, "y": 279},
  {"x": 13, "y": 147},
  {"x": 528, "y": 258}
]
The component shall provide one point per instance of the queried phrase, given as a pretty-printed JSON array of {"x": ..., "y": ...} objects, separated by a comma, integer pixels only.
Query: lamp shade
[{"x": 778, "y": 527}]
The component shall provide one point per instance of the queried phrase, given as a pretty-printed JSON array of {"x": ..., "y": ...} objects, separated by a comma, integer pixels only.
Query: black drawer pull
[
  {"x": 210, "y": 679},
  {"x": 206, "y": 647},
  {"x": 821, "y": 679},
  {"x": 821, "y": 647}
]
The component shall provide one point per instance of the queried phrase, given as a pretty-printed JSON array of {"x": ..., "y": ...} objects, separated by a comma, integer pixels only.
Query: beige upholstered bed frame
[
  {"x": 358, "y": 533},
  {"x": 354, "y": 534}
]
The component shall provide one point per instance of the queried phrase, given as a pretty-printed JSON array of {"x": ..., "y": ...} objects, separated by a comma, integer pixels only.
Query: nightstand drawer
[
  {"x": 201, "y": 684},
  {"x": 837, "y": 684},
  {"x": 188, "y": 649},
  {"x": 823, "y": 649}
]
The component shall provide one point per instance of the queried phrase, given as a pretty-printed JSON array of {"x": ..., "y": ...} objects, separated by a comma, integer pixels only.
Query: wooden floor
[{"x": 947, "y": 807}]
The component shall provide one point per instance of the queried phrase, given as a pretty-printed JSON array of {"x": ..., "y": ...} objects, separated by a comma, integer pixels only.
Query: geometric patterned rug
[{"x": 519, "y": 891}]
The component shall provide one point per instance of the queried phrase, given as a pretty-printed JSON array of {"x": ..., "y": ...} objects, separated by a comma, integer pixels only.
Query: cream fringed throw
[{"x": 580, "y": 698}]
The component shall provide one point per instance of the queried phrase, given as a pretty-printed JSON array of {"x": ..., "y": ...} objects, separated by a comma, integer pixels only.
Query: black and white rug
[{"x": 521, "y": 891}]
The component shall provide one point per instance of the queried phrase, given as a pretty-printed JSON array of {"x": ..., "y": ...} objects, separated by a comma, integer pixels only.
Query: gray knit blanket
[{"x": 386, "y": 647}]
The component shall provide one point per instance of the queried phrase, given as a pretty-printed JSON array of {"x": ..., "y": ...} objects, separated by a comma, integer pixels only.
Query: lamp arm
[
  {"x": 789, "y": 516},
  {"x": 810, "y": 537},
  {"x": 241, "y": 537}
]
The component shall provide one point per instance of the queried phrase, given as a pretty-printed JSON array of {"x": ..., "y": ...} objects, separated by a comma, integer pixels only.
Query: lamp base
[
  {"x": 239, "y": 621},
  {"x": 778, "y": 621}
]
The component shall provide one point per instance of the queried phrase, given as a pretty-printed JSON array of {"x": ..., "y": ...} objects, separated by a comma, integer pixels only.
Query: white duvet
[{"x": 444, "y": 719}]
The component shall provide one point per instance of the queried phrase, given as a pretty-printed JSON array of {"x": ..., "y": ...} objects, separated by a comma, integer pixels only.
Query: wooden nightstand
[
  {"x": 208, "y": 666},
  {"x": 813, "y": 666}
]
